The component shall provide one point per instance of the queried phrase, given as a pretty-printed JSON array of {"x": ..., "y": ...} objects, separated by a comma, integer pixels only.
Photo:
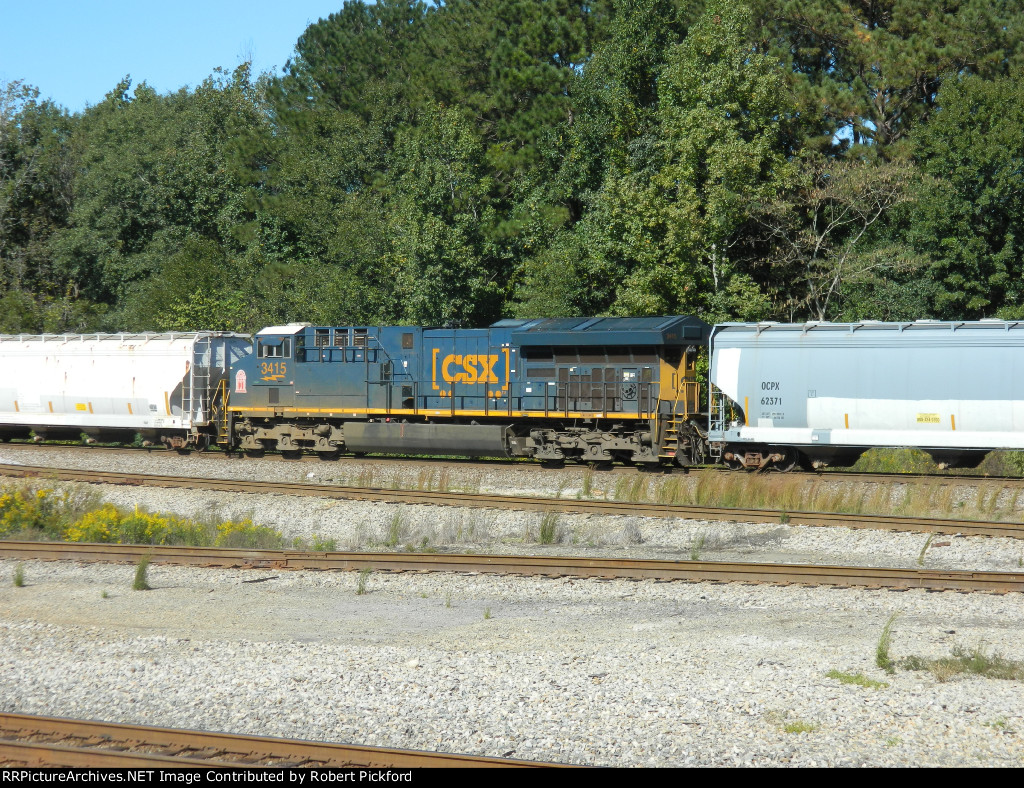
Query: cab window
[{"x": 274, "y": 348}]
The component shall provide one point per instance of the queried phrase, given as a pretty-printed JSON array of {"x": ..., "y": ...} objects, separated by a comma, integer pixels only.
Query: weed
[
  {"x": 800, "y": 726},
  {"x": 395, "y": 529},
  {"x": 856, "y": 678},
  {"x": 361, "y": 578},
  {"x": 697, "y": 545},
  {"x": 423, "y": 594},
  {"x": 893, "y": 741},
  {"x": 560, "y": 490},
  {"x": 140, "y": 583},
  {"x": 927, "y": 544},
  {"x": 882, "y": 658},
  {"x": 548, "y": 528},
  {"x": 409, "y": 547},
  {"x": 784, "y": 517},
  {"x": 963, "y": 660},
  {"x": 631, "y": 534},
  {"x": 588, "y": 483},
  {"x": 19, "y": 576},
  {"x": 448, "y": 599},
  {"x": 104, "y": 595},
  {"x": 487, "y": 613},
  {"x": 998, "y": 724},
  {"x": 365, "y": 478},
  {"x": 321, "y": 545}
]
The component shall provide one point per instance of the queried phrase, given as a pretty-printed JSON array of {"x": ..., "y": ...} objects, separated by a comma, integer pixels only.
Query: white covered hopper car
[
  {"x": 822, "y": 393},
  {"x": 165, "y": 387}
]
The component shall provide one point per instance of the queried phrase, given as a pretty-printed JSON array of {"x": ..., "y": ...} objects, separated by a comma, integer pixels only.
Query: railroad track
[
  {"x": 529, "y": 503},
  {"x": 960, "y": 477},
  {"x": 30, "y": 741},
  {"x": 548, "y": 566}
]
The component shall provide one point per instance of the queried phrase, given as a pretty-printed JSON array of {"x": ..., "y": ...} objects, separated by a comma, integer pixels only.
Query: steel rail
[
  {"x": 960, "y": 478},
  {"x": 530, "y": 503},
  {"x": 58, "y": 741},
  {"x": 550, "y": 566}
]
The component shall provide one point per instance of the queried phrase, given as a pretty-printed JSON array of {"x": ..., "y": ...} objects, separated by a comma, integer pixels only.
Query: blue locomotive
[{"x": 585, "y": 389}]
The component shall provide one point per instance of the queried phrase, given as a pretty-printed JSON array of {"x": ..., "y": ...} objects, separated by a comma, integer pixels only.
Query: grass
[
  {"x": 487, "y": 613},
  {"x": 800, "y": 726},
  {"x": 787, "y": 493},
  {"x": 927, "y": 544},
  {"x": 588, "y": 483},
  {"x": 448, "y": 599},
  {"x": 19, "y": 576},
  {"x": 974, "y": 661},
  {"x": 882, "y": 657},
  {"x": 141, "y": 582},
  {"x": 962, "y": 660},
  {"x": 697, "y": 545},
  {"x": 548, "y": 528},
  {"x": 362, "y": 578},
  {"x": 395, "y": 529},
  {"x": 104, "y": 595},
  {"x": 858, "y": 679}
]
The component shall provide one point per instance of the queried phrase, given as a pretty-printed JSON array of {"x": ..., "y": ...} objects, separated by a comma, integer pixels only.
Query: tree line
[{"x": 454, "y": 163}]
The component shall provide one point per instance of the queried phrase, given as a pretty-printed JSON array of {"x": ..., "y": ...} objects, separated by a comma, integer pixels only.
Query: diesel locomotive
[{"x": 587, "y": 389}]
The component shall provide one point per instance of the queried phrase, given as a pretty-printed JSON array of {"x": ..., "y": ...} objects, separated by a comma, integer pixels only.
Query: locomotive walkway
[
  {"x": 30, "y": 741},
  {"x": 526, "y": 503},
  {"x": 548, "y": 566}
]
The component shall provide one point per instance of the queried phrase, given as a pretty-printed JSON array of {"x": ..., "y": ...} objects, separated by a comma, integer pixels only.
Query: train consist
[
  {"x": 594, "y": 390},
  {"x": 581, "y": 389}
]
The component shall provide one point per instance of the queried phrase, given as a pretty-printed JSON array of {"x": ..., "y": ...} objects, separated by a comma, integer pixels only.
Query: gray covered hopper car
[{"x": 822, "y": 393}]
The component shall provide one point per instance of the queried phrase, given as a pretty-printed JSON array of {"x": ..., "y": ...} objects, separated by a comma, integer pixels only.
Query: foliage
[
  {"x": 858, "y": 679},
  {"x": 141, "y": 582},
  {"x": 58, "y": 515},
  {"x": 458, "y": 162}
]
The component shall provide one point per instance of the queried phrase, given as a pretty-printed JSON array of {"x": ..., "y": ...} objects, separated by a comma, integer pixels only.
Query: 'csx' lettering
[{"x": 469, "y": 369}]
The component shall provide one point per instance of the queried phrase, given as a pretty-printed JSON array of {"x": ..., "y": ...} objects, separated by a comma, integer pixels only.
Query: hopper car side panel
[
  {"x": 829, "y": 391},
  {"x": 112, "y": 384}
]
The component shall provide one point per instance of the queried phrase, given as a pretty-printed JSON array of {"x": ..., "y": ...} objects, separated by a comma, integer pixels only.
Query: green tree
[
  {"x": 969, "y": 216},
  {"x": 154, "y": 172},
  {"x": 874, "y": 67},
  {"x": 666, "y": 218}
]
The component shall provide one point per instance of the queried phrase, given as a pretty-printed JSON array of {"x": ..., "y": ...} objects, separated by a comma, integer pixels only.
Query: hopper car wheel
[
  {"x": 291, "y": 454},
  {"x": 255, "y": 453},
  {"x": 790, "y": 460}
]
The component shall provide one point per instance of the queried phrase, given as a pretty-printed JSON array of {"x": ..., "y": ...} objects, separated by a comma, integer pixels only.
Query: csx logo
[{"x": 471, "y": 368}]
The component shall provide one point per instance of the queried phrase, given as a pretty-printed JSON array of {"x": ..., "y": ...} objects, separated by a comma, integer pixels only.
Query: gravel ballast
[
  {"x": 579, "y": 671},
  {"x": 362, "y": 525}
]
